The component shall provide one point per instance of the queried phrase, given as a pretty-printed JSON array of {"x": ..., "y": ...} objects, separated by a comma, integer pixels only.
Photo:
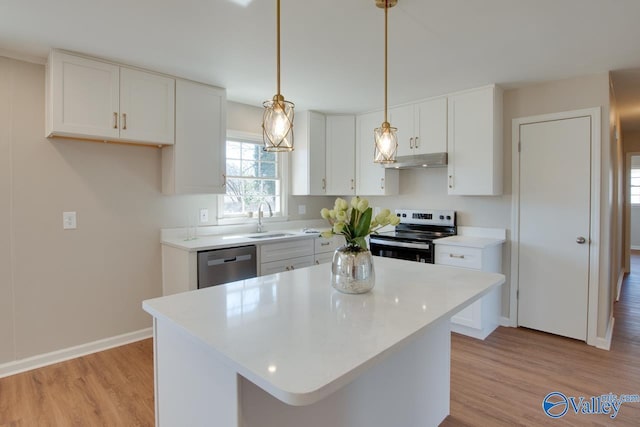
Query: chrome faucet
[{"x": 261, "y": 214}]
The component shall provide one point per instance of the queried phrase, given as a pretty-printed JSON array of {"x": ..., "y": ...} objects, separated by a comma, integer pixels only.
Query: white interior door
[{"x": 554, "y": 211}]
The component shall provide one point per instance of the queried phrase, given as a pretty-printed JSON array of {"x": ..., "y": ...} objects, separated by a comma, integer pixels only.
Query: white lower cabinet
[
  {"x": 482, "y": 317},
  {"x": 286, "y": 255},
  {"x": 324, "y": 248},
  {"x": 285, "y": 265}
]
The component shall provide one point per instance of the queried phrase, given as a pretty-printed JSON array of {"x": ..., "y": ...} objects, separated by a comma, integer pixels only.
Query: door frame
[
  {"x": 594, "y": 227},
  {"x": 627, "y": 215}
]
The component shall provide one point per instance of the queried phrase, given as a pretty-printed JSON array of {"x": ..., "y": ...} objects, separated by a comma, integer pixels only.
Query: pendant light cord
[
  {"x": 278, "y": 45},
  {"x": 386, "y": 10}
]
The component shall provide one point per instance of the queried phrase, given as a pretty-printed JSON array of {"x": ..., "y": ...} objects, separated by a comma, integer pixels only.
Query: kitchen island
[{"x": 288, "y": 350}]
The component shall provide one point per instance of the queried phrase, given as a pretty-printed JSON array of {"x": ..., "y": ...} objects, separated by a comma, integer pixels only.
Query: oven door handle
[{"x": 423, "y": 246}]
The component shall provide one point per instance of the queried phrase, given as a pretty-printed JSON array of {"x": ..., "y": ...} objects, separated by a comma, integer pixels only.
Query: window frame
[
  {"x": 631, "y": 186},
  {"x": 283, "y": 170}
]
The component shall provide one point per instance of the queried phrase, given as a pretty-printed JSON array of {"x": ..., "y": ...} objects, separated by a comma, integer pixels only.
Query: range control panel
[{"x": 427, "y": 217}]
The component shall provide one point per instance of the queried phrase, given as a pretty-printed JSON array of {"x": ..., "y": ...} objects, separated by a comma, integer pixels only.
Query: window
[
  {"x": 253, "y": 177},
  {"x": 635, "y": 186}
]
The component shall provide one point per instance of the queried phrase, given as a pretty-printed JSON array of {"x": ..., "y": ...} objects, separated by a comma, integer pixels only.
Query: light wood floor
[{"x": 497, "y": 382}]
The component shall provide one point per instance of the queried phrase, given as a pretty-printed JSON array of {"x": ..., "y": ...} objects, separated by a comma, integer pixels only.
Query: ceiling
[{"x": 332, "y": 49}]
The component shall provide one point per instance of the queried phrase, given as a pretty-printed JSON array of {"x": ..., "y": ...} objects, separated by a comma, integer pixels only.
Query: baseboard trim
[
  {"x": 506, "y": 321},
  {"x": 605, "y": 343},
  {"x": 620, "y": 280},
  {"x": 22, "y": 365}
]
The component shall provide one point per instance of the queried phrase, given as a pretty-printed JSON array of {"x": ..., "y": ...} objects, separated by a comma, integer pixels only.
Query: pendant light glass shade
[
  {"x": 385, "y": 137},
  {"x": 386, "y": 140},
  {"x": 277, "y": 124},
  {"x": 277, "y": 121}
]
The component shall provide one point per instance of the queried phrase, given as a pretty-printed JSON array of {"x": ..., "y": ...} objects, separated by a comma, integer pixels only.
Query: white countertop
[
  {"x": 298, "y": 339},
  {"x": 203, "y": 243},
  {"x": 469, "y": 241}
]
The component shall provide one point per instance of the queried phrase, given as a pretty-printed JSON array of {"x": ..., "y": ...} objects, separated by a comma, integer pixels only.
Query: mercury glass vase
[{"x": 352, "y": 270}]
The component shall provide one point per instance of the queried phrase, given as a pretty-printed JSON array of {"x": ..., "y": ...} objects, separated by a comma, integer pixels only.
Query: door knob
[{"x": 580, "y": 240}]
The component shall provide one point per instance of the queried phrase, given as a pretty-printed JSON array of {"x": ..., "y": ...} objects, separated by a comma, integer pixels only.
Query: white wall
[{"x": 61, "y": 288}]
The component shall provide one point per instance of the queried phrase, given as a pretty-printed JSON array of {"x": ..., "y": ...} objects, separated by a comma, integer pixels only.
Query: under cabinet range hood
[{"x": 431, "y": 160}]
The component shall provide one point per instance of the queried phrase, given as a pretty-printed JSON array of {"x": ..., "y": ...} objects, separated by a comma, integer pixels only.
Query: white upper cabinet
[
  {"x": 341, "y": 155},
  {"x": 83, "y": 97},
  {"x": 93, "y": 99},
  {"x": 196, "y": 163},
  {"x": 475, "y": 142},
  {"x": 430, "y": 126},
  {"x": 308, "y": 157},
  {"x": 324, "y": 154},
  {"x": 402, "y": 118},
  {"x": 422, "y": 127},
  {"x": 147, "y": 107},
  {"x": 372, "y": 178}
]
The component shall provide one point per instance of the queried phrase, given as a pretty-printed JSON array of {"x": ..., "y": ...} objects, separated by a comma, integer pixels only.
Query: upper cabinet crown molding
[{"x": 97, "y": 100}]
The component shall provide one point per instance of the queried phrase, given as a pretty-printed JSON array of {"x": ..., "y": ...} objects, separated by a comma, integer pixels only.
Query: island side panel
[
  {"x": 409, "y": 388},
  {"x": 193, "y": 388}
]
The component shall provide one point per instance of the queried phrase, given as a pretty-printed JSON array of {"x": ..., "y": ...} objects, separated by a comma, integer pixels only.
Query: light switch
[
  {"x": 204, "y": 215},
  {"x": 302, "y": 209},
  {"x": 69, "y": 221}
]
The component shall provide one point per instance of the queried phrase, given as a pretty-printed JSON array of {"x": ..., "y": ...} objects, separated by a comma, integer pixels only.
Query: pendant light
[
  {"x": 277, "y": 122},
  {"x": 386, "y": 139}
]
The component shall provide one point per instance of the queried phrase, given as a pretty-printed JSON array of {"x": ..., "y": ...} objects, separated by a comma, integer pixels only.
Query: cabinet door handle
[
  {"x": 382, "y": 183},
  {"x": 317, "y": 262},
  {"x": 456, "y": 256},
  {"x": 287, "y": 268},
  {"x": 411, "y": 143},
  {"x": 224, "y": 180},
  {"x": 353, "y": 183},
  {"x": 324, "y": 184},
  {"x": 450, "y": 181},
  {"x": 325, "y": 244},
  {"x": 292, "y": 267},
  {"x": 115, "y": 120},
  {"x": 124, "y": 121},
  {"x": 415, "y": 145}
]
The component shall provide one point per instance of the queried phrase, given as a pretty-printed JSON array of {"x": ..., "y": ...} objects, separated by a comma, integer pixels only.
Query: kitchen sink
[{"x": 270, "y": 235}]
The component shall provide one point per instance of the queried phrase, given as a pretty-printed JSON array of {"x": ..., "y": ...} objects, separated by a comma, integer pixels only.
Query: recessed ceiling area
[{"x": 332, "y": 50}]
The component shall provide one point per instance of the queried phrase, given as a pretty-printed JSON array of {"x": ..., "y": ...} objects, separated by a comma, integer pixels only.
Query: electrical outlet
[
  {"x": 204, "y": 215},
  {"x": 69, "y": 220},
  {"x": 302, "y": 209}
]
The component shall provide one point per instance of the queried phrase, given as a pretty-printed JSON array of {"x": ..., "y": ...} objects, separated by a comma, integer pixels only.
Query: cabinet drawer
[
  {"x": 285, "y": 265},
  {"x": 459, "y": 256},
  {"x": 284, "y": 250},
  {"x": 323, "y": 245},
  {"x": 323, "y": 258}
]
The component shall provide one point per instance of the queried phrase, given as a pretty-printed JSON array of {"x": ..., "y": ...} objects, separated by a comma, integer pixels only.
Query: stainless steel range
[{"x": 413, "y": 237}]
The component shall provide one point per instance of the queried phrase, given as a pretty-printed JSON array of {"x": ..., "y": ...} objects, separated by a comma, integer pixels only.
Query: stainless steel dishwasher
[{"x": 219, "y": 266}]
